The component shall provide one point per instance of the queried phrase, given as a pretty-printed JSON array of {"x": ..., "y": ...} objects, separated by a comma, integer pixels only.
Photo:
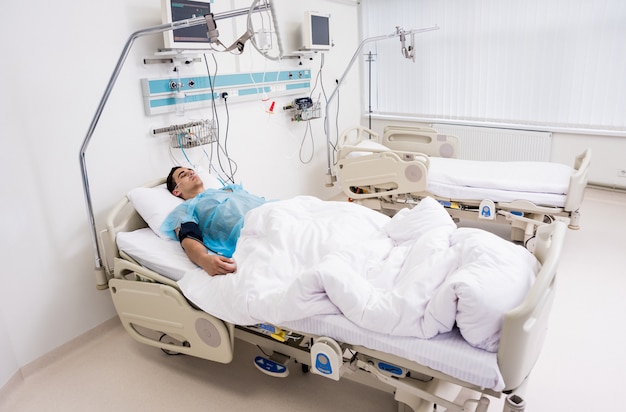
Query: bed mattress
[
  {"x": 542, "y": 183},
  {"x": 447, "y": 352}
]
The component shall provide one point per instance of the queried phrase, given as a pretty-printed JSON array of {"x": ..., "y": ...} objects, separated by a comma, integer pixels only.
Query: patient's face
[{"x": 188, "y": 183}]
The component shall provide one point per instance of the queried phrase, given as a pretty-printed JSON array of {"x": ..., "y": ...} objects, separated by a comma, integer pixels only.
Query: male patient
[{"x": 209, "y": 219}]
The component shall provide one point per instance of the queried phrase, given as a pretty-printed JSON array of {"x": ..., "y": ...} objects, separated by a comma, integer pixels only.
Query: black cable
[
  {"x": 262, "y": 351},
  {"x": 219, "y": 148},
  {"x": 230, "y": 160}
]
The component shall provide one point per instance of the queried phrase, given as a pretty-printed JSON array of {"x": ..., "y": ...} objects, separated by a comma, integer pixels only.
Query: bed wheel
[
  {"x": 168, "y": 339},
  {"x": 305, "y": 368}
]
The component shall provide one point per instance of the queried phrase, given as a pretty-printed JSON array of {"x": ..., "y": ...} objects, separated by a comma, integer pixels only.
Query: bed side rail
[
  {"x": 381, "y": 172},
  {"x": 578, "y": 181},
  {"x": 524, "y": 328},
  {"x": 356, "y": 135}
]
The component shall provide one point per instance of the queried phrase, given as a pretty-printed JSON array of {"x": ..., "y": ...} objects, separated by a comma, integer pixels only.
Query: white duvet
[{"x": 415, "y": 274}]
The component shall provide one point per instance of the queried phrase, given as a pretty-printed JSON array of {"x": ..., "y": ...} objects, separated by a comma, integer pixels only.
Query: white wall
[{"x": 55, "y": 72}]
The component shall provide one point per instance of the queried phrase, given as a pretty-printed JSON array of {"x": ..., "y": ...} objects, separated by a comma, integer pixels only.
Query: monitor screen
[
  {"x": 188, "y": 37},
  {"x": 316, "y": 31},
  {"x": 320, "y": 30}
]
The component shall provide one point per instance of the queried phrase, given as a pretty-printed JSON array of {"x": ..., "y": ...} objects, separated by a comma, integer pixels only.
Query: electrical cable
[
  {"x": 230, "y": 160},
  {"x": 307, "y": 129},
  {"x": 182, "y": 149},
  {"x": 220, "y": 150},
  {"x": 334, "y": 145}
]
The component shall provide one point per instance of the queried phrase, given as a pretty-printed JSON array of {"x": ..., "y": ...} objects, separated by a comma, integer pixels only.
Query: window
[{"x": 555, "y": 64}]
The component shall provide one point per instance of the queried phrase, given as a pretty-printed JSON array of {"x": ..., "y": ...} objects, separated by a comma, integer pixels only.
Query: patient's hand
[
  {"x": 212, "y": 264},
  {"x": 219, "y": 265}
]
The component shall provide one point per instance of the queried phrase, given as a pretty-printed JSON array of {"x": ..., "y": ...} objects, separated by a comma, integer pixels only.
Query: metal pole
[
  {"x": 195, "y": 21},
  {"x": 329, "y": 176},
  {"x": 369, "y": 89}
]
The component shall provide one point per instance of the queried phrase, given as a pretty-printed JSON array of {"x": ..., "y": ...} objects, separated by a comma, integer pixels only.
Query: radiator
[{"x": 484, "y": 143}]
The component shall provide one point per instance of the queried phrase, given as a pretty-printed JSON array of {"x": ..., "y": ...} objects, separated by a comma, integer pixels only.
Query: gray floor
[{"x": 581, "y": 367}]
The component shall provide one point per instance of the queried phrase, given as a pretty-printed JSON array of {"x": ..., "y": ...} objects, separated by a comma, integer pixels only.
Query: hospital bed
[
  {"x": 148, "y": 271},
  {"x": 405, "y": 164}
]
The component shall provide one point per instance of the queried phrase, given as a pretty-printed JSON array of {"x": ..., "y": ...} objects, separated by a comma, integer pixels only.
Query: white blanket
[{"x": 415, "y": 274}]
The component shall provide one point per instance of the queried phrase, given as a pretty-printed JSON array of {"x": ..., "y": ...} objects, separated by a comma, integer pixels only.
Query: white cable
[{"x": 251, "y": 31}]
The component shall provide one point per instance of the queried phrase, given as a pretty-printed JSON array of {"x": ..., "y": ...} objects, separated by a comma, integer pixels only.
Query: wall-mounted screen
[
  {"x": 188, "y": 37},
  {"x": 316, "y": 31}
]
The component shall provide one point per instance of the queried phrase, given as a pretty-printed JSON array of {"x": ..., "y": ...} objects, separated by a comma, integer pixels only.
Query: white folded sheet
[{"x": 542, "y": 183}]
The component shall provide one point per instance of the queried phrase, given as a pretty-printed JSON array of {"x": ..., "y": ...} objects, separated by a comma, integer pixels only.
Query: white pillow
[{"x": 154, "y": 203}]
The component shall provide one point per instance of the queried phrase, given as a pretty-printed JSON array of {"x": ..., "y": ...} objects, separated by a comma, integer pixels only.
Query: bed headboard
[
  {"x": 122, "y": 218},
  {"x": 421, "y": 140}
]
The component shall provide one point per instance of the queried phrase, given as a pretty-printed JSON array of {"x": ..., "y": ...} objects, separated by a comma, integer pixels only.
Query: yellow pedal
[{"x": 279, "y": 335}]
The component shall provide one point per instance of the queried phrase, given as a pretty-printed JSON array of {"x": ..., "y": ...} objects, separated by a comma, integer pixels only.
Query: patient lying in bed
[
  {"x": 415, "y": 274},
  {"x": 209, "y": 219}
]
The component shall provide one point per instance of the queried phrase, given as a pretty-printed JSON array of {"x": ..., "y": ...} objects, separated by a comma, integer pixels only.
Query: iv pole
[
  {"x": 370, "y": 59},
  {"x": 330, "y": 179},
  {"x": 102, "y": 280}
]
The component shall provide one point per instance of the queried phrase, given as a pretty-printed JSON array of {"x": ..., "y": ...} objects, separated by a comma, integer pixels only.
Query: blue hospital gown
[{"x": 218, "y": 212}]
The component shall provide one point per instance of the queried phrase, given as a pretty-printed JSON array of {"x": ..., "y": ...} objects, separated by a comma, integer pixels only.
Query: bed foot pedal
[{"x": 271, "y": 367}]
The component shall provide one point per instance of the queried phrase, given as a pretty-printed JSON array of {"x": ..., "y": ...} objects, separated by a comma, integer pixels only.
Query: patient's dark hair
[{"x": 169, "y": 182}]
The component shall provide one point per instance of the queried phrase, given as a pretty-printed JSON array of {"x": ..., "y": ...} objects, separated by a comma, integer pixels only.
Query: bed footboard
[{"x": 577, "y": 185}]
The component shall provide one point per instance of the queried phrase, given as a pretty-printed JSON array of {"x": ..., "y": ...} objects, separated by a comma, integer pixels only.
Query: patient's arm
[
  {"x": 212, "y": 264},
  {"x": 191, "y": 241}
]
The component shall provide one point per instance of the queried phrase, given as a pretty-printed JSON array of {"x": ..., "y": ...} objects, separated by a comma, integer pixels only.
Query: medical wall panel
[{"x": 166, "y": 94}]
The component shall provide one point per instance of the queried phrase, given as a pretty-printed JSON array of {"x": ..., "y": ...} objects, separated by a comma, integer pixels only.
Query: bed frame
[
  {"x": 389, "y": 180},
  {"x": 153, "y": 311}
]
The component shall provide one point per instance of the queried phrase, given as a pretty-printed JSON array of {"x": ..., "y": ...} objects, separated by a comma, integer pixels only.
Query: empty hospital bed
[
  {"x": 396, "y": 170},
  {"x": 157, "y": 293}
]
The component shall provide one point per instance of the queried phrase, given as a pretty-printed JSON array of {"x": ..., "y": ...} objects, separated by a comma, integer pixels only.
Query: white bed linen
[
  {"x": 164, "y": 256},
  {"x": 447, "y": 352},
  {"x": 461, "y": 193},
  {"x": 541, "y": 183},
  {"x": 415, "y": 274}
]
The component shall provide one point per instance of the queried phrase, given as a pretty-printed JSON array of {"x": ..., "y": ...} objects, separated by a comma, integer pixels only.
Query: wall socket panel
[
  {"x": 621, "y": 172},
  {"x": 159, "y": 94}
]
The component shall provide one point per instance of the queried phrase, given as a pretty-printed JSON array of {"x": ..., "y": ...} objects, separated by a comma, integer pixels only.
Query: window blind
[{"x": 556, "y": 63}]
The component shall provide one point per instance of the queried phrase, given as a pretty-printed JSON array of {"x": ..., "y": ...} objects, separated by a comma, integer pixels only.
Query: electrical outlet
[{"x": 621, "y": 172}]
